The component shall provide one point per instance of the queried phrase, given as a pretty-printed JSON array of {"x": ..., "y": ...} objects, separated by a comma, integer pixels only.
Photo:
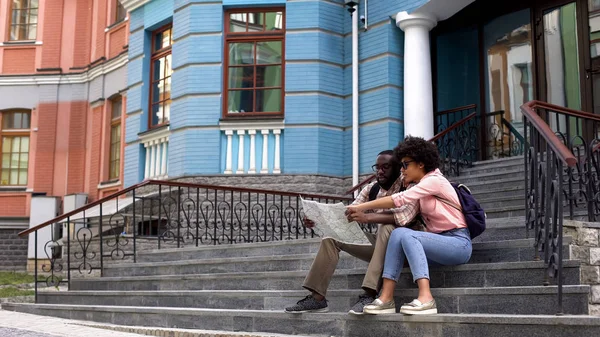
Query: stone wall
[
  {"x": 585, "y": 247},
  {"x": 314, "y": 184},
  {"x": 13, "y": 250}
]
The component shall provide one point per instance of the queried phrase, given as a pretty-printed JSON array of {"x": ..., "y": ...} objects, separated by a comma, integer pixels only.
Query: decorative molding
[
  {"x": 152, "y": 135},
  {"x": 97, "y": 103},
  {"x": 251, "y": 125},
  {"x": 111, "y": 185},
  {"x": 131, "y": 5},
  {"x": 76, "y": 78}
]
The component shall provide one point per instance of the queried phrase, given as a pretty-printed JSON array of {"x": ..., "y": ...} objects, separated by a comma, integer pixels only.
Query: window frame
[
  {"x": 12, "y": 134},
  {"x": 115, "y": 121},
  {"x": 156, "y": 55},
  {"x": 116, "y": 18},
  {"x": 263, "y": 36},
  {"x": 11, "y": 24}
]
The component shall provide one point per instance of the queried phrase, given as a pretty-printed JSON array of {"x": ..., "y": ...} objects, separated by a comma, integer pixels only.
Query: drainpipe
[{"x": 355, "y": 97}]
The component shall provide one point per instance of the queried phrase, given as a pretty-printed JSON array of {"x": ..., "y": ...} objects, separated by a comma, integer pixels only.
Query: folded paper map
[{"x": 331, "y": 222}]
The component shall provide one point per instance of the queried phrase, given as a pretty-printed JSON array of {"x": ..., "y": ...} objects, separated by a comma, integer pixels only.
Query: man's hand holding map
[{"x": 331, "y": 221}]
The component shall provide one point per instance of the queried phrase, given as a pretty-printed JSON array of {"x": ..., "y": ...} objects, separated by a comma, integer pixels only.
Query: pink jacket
[{"x": 438, "y": 216}]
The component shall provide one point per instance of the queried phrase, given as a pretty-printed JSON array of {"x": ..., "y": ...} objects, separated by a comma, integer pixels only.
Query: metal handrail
[{"x": 176, "y": 184}]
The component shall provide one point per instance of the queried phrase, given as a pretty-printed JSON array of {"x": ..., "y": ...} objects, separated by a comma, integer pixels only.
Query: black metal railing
[
  {"x": 164, "y": 214},
  {"x": 458, "y": 144},
  {"x": 503, "y": 138},
  {"x": 555, "y": 179}
]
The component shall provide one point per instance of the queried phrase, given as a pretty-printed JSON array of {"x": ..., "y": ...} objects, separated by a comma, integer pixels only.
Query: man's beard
[{"x": 389, "y": 183}]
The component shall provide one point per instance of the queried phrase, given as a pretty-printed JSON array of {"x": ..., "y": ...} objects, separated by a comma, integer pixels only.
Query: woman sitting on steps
[{"x": 446, "y": 241}]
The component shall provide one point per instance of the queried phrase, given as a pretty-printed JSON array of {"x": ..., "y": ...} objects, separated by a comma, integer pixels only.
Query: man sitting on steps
[{"x": 323, "y": 267}]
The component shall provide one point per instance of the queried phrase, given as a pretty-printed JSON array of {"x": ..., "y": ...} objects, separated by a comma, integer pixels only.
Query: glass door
[
  {"x": 559, "y": 61},
  {"x": 508, "y": 61},
  {"x": 593, "y": 71}
]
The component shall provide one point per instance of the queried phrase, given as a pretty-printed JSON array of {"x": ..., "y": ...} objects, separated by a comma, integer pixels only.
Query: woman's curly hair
[{"x": 420, "y": 150}]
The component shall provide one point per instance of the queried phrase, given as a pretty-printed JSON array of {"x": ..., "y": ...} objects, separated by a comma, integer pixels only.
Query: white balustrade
[
  {"x": 271, "y": 132},
  {"x": 157, "y": 150}
]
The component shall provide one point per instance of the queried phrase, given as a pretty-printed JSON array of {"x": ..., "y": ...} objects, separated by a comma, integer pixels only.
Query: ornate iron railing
[
  {"x": 164, "y": 214},
  {"x": 555, "y": 179},
  {"x": 458, "y": 145},
  {"x": 503, "y": 138}
]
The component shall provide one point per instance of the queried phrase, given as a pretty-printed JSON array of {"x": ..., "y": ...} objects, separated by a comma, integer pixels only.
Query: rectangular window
[
  {"x": 254, "y": 73},
  {"x": 120, "y": 12},
  {"x": 160, "y": 74},
  {"x": 14, "y": 136},
  {"x": 114, "y": 162},
  {"x": 23, "y": 20}
]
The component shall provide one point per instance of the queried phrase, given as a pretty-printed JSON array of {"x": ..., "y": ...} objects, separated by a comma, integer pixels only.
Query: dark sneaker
[
  {"x": 308, "y": 304},
  {"x": 363, "y": 300}
]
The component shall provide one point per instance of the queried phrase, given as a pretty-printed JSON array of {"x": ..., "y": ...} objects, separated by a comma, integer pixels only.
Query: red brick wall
[
  {"x": 52, "y": 33},
  {"x": 13, "y": 205},
  {"x": 118, "y": 39},
  {"x": 76, "y": 165},
  {"x": 83, "y": 33},
  {"x": 99, "y": 33},
  {"x": 45, "y": 150},
  {"x": 19, "y": 61}
]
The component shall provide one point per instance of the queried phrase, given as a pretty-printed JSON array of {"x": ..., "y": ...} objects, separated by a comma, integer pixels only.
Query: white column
[
  {"x": 163, "y": 170},
  {"x": 277, "y": 166},
  {"x": 152, "y": 158},
  {"x": 158, "y": 162},
  {"x": 240, "y": 168},
  {"x": 147, "y": 167},
  {"x": 418, "y": 93},
  {"x": 252, "y": 169},
  {"x": 229, "y": 156},
  {"x": 265, "y": 154}
]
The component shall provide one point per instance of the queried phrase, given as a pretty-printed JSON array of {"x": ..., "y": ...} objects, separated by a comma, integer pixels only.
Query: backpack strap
[
  {"x": 374, "y": 191},
  {"x": 449, "y": 203}
]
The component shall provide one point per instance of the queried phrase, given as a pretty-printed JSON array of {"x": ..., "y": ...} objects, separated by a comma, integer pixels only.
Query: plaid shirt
[{"x": 402, "y": 215}]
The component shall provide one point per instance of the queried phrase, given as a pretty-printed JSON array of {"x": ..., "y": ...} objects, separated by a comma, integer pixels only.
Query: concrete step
[
  {"x": 326, "y": 324},
  {"x": 497, "y": 229},
  {"x": 498, "y": 191},
  {"x": 503, "y": 229},
  {"x": 490, "y": 176},
  {"x": 500, "y": 300},
  {"x": 504, "y": 274},
  {"x": 493, "y": 203},
  {"x": 496, "y": 181},
  {"x": 209, "y": 262},
  {"x": 505, "y": 212},
  {"x": 516, "y": 160},
  {"x": 496, "y": 167}
]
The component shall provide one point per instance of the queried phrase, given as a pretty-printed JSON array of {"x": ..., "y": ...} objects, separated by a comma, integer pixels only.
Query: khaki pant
[{"x": 325, "y": 262}]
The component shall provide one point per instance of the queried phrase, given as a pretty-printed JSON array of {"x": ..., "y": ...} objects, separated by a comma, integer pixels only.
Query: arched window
[{"x": 14, "y": 137}]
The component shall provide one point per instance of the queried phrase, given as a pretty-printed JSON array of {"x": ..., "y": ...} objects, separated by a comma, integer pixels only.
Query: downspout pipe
[{"x": 355, "y": 168}]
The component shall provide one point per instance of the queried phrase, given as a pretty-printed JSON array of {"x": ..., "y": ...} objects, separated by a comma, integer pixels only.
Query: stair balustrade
[
  {"x": 164, "y": 214},
  {"x": 561, "y": 176}
]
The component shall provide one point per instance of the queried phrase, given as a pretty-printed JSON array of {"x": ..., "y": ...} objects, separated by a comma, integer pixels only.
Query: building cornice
[
  {"x": 76, "y": 78},
  {"x": 131, "y": 5}
]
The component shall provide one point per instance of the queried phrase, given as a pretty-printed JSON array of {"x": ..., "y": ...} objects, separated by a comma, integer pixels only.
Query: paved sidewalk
[{"x": 16, "y": 324}]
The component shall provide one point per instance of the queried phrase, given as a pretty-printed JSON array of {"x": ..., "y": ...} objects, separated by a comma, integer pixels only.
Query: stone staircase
[{"x": 245, "y": 287}]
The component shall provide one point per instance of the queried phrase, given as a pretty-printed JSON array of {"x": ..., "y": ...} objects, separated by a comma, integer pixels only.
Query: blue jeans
[{"x": 422, "y": 248}]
